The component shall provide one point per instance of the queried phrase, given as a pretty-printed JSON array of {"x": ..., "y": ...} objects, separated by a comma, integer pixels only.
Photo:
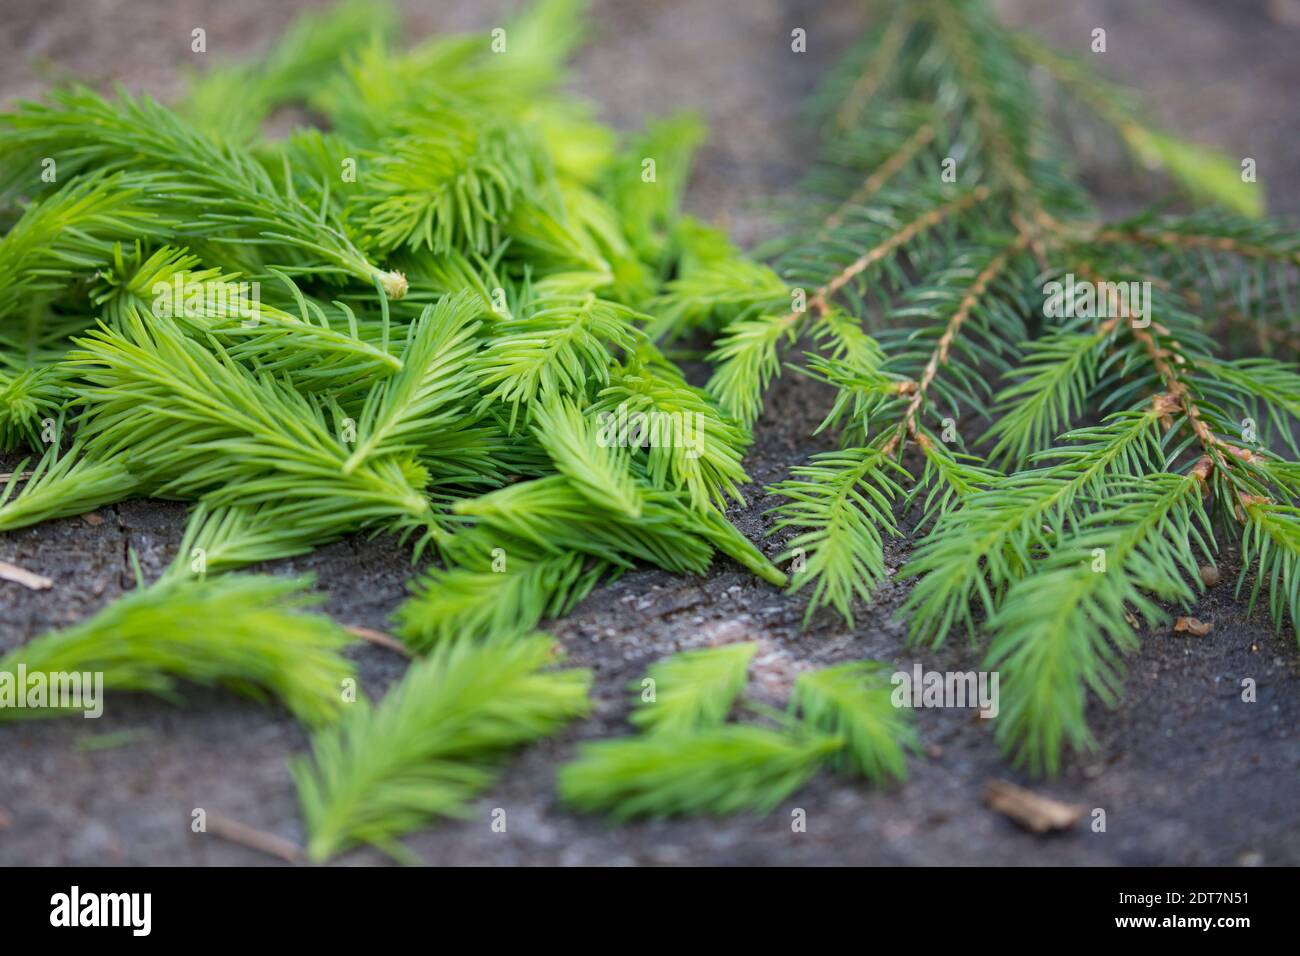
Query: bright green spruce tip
[
  {"x": 1205, "y": 173},
  {"x": 728, "y": 769},
  {"x": 689, "y": 759},
  {"x": 462, "y": 279},
  {"x": 434, "y": 741},
  {"x": 252, "y": 634},
  {"x": 411, "y": 323},
  {"x": 692, "y": 690}
]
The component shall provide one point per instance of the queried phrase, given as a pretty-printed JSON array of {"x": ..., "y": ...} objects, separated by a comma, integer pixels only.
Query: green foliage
[
  {"x": 689, "y": 761},
  {"x": 433, "y": 742},
  {"x": 646, "y": 197},
  {"x": 65, "y": 237},
  {"x": 854, "y": 703},
  {"x": 213, "y": 190},
  {"x": 689, "y": 442},
  {"x": 557, "y": 345},
  {"x": 29, "y": 396},
  {"x": 1059, "y": 632},
  {"x": 1271, "y": 545},
  {"x": 233, "y": 100},
  {"x": 1051, "y": 386},
  {"x": 190, "y": 421},
  {"x": 724, "y": 770},
  {"x": 842, "y": 500},
  {"x": 447, "y": 344},
  {"x": 693, "y": 690},
  {"x": 748, "y": 358},
  {"x": 430, "y": 393},
  {"x": 247, "y": 633},
  {"x": 978, "y": 549},
  {"x": 1205, "y": 173},
  {"x": 495, "y": 587},
  {"x": 712, "y": 290},
  {"x": 953, "y": 254},
  {"x": 409, "y": 324},
  {"x": 598, "y": 470},
  {"x": 449, "y": 183},
  {"x": 62, "y": 483}
]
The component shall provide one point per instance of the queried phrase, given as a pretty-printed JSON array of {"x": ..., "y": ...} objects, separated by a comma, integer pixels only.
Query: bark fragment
[
  {"x": 1032, "y": 811},
  {"x": 28, "y": 579}
]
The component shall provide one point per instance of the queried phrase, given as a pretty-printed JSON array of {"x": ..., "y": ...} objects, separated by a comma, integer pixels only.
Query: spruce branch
[
  {"x": 907, "y": 426},
  {"x": 1271, "y": 545},
  {"x": 555, "y": 347},
  {"x": 496, "y": 587},
  {"x": 976, "y": 551},
  {"x": 444, "y": 348},
  {"x": 1235, "y": 236},
  {"x": 747, "y": 358},
  {"x": 896, "y": 163},
  {"x": 688, "y": 441},
  {"x": 430, "y": 393},
  {"x": 30, "y": 395},
  {"x": 1059, "y": 632},
  {"x": 64, "y": 237},
  {"x": 840, "y": 501},
  {"x": 882, "y": 53}
]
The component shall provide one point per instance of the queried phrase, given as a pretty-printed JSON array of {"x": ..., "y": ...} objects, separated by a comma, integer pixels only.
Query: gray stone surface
[{"x": 1186, "y": 772}]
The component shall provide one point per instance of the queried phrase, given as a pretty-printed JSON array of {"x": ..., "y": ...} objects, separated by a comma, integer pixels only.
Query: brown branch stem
[
  {"x": 891, "y": 41},
  {"x": 887, "y": 171},
  {"x": 821, "y": 299},
  {"x": 254, "y": 839},
  {"x": 939, "y": 355},
  {"x": 1184, "y": 241}
]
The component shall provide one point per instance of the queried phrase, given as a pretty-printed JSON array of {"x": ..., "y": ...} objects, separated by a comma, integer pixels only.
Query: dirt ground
[{"x": 1186, "y": 772}]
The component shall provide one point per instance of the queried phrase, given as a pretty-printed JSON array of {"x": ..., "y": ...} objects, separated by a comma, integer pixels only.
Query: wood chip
[
  {"x": 379, "y": 638},
  {"x": 254, "y": 839},
  {"x": 1035, "y": 813},
  {"x": 93, "y": 519},
  {"x": 11, "y": 572},
  {"x": 1193, "y": 626}
]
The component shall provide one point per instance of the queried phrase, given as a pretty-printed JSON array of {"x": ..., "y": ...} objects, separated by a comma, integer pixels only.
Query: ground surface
[{"x": 1187, "y": 773}]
